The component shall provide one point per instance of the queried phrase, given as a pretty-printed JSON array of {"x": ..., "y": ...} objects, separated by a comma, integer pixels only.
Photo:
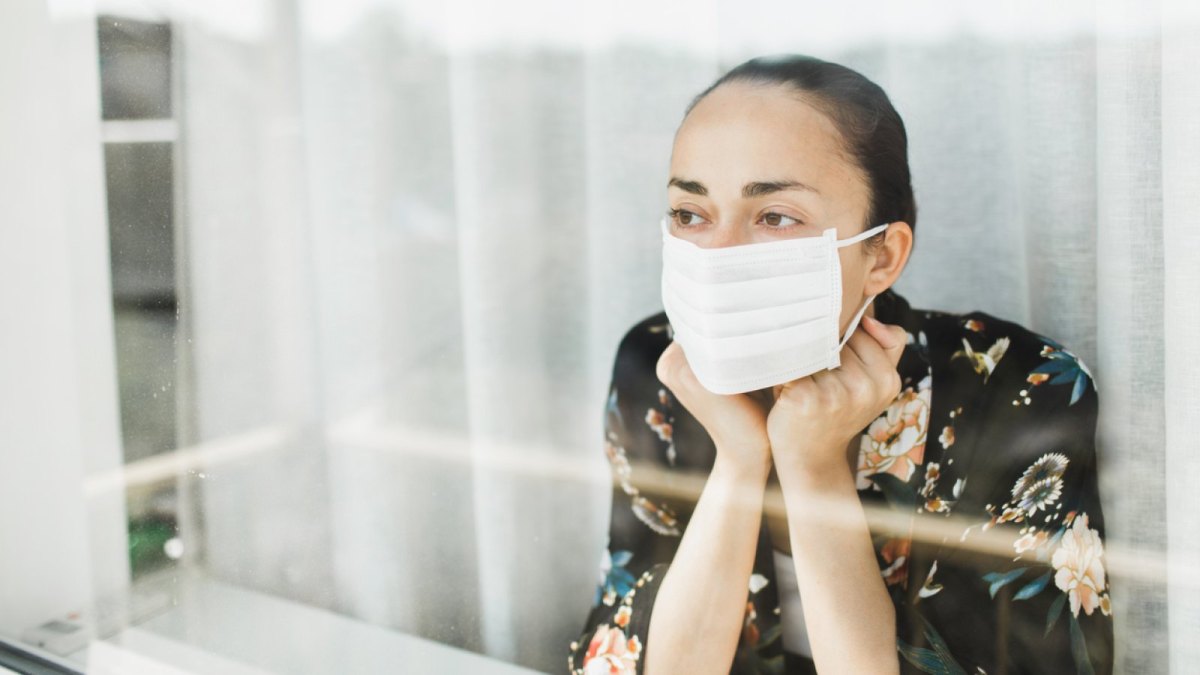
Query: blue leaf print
[
  {"x": 1055, "y": 611},
  {"x": 999, "y": 580},
  {"x": 1064, "y": 377},
  {"x": 937, "y": 661},
  {"x": 1033, "y": 588},
  {"x": 1053, "y": 366},
  {"x": 1065, "y": 367},
  {"x": 615, "y": 420},
  {"x": 926, "y": 660},
  {"x": 1080, "y": 386},
  {"x": 899, "y": 494},
  {"x": 618, "y": 581},
  {"x": 1083, "y": 663}
]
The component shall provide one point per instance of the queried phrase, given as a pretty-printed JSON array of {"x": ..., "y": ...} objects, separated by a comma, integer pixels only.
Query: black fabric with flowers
[{"x": 989, "y": 447}]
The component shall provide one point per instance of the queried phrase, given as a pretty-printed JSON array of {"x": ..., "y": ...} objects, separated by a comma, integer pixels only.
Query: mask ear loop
[
  {"x": 858, "y": 317},
  {"x": 867, "y": 234},
  {"x": 854, "y": 323}
]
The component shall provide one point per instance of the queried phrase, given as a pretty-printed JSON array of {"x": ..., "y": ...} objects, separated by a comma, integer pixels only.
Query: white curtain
[{"x": 416, "y": 233}]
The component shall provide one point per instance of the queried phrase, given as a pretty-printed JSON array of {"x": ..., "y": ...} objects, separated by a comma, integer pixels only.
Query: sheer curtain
[{"x": 416, "y": 235}]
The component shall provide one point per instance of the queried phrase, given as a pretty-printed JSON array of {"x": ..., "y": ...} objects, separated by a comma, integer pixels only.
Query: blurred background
[{"x": 310, "y": 305}]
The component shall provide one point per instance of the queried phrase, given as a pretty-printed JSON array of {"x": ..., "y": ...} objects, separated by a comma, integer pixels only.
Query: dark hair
[{"x": 872, "y": 132}]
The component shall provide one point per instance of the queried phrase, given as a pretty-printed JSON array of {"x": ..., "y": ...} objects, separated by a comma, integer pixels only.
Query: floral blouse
[{"x": 989, "y": 446}]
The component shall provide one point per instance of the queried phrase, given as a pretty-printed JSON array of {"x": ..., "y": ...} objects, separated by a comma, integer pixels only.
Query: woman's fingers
[
  {"x": 736, "y": 423},
  {"x": 854, "y": 374},
  {"x": 892, "y": 339},
  {"x": 877, "y": 354},
  {"x": 674, "y": 372},
  {"x": 665, "y": 368},
  {"x": 825, "y": 409}
]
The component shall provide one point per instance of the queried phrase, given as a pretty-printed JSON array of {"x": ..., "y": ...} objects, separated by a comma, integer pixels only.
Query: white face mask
[{"x": 757, "y": 315}]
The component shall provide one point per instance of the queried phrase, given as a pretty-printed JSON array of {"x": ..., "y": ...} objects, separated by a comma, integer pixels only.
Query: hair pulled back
[{"x": 873, "y": 134}]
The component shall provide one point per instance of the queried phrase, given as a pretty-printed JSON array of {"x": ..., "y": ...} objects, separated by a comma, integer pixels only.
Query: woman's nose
[{"x": 727, "y": 235}]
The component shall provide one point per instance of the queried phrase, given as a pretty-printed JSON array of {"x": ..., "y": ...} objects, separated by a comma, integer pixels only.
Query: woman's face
[{"x": 754, "y": 163}]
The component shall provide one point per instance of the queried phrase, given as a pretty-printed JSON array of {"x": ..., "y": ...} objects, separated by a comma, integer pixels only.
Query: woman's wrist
[
  {"x": 798, "y": 470},
  {"x": 742, "y": 468}
]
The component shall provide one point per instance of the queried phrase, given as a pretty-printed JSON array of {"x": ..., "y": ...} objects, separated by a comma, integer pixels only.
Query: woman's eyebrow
[
  {"x": 694, "y": 187},
  {"x": 759, "y": 189},
  {"x": 750, "y": 190}
]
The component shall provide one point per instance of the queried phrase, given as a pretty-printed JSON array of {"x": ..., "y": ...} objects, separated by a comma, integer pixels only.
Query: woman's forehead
[{"x": 742, "y": 133}]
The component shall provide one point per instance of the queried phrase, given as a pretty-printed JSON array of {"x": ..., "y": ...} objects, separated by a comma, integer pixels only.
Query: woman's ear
[{"x": 889, "y": 258}]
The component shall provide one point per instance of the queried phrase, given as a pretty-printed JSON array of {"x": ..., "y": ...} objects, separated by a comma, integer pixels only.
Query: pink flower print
[
  {"x": 610, "y": 653},
  {"x": 895, "y": 441}
]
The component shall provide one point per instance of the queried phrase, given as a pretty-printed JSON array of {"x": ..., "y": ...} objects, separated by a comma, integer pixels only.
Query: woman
[{"x": 935, "y": 501}]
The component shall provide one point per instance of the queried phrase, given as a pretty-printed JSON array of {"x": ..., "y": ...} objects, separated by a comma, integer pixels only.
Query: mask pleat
[
  {"x": 751, "y": 294},
  {"x": 732, "y": 324},
  {"x": 809, "y": 336}
]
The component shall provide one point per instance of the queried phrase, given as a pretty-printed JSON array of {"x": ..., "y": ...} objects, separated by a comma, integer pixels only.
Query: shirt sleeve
[
  {"x": 645, "y": 525},
  {"x": 1024, "y": 588}
]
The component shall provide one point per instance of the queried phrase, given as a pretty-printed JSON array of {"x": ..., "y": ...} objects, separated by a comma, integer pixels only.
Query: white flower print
[
  {"x": 1048, "y": 466},
  {"x": 1080, "y": 570},
  {"x": 1040, "y": 495}
]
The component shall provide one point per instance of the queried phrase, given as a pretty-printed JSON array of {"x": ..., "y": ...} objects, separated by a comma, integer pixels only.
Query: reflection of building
[{"x": 140, "y": 149}]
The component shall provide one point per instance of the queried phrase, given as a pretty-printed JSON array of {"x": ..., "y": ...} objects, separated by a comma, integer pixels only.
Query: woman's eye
[
  {"x": 684, "y": 218},
  {"x": 778, "y": 220}
]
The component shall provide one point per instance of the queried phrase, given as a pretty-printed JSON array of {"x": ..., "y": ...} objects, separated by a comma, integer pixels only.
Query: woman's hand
[
  {"x": 737, "y": 424},
  {"x": 815, "y": 418}
]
